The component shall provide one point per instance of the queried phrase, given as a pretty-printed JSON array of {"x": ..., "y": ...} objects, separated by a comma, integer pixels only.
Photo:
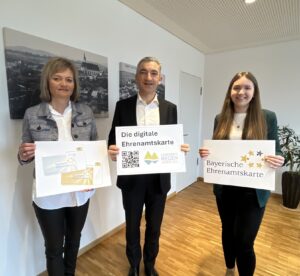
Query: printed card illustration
[
  {"x": 70, "y": 166},
  {"x": 150, "y": 149},
  {"x": 70, "y": 161},
  {"x": 239, "y": 163}
]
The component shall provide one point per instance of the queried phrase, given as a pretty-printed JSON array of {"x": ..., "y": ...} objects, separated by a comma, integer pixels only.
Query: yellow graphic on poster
[
  {"x": 151, "y": 158},
  {"x": 80, "y": 177},
  {"x": 254, "y": 159}
]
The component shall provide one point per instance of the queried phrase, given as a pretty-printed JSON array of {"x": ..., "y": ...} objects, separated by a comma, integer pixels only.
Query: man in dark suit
[{"x": 150, "y": 190}]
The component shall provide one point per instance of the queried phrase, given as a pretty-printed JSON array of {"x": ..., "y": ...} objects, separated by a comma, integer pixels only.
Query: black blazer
[{"x": 125, "y": 115}]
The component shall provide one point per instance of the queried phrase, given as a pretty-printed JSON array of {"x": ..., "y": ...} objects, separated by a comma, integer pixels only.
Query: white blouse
[{"x": 237, "y": 126}]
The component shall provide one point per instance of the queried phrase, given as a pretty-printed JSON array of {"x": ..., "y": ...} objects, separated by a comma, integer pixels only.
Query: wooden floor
[{"x": 190, "y": 242}]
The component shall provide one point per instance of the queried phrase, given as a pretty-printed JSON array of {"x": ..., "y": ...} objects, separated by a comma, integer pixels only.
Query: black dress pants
[
  {"x": 61, "y": 229},
  {"x": 147, "y": 192},
  {"x": 241, "y": 217}
]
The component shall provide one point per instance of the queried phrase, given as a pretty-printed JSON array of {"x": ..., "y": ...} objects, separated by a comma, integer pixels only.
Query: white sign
[
  {"x": 63, "y": 167},
  {"x": 150, "y": 149},
  {"x": 239, "y": 163}
]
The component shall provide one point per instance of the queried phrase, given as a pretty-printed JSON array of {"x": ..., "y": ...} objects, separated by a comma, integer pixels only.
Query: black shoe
[
  {"x": 151, "y": 271},
  {"x": 133, "y": 271}
]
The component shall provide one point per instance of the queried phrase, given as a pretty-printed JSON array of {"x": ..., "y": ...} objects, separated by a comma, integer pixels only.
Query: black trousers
[
  {"x": 147, "y": 193},
  {"x": 61, "y": 229},
  {"x": 241, "y": 217}
]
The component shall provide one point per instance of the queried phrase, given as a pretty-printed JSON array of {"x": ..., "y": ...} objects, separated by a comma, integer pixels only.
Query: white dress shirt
[
  {"x": 71, "y": 199},
  {"x": 147, "y": 114}
]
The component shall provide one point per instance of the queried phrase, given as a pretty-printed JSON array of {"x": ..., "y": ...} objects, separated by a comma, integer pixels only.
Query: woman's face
[
  {"x": 61, "y": 85},
  {"x": 242, "y": 92}
]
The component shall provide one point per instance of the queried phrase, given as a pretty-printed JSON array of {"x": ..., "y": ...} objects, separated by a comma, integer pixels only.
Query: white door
[{"x": 189, "y": 115}]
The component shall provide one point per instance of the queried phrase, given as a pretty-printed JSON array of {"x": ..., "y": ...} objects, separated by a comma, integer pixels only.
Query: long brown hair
[{"x": 255, "y": 127}]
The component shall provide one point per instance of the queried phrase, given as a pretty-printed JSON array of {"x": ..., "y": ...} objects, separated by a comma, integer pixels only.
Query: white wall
[
  {"x": 104, "y": 27},
  {"x": 276, "y": 68}
]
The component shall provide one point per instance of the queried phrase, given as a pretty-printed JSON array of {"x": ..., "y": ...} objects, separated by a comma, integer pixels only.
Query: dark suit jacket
[
  {"x": 271, "y": 120},
  {"x": 125, "y": 115}
]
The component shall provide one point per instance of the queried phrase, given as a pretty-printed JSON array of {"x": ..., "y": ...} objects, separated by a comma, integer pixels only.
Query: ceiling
[{"x": 213, "y": 26}]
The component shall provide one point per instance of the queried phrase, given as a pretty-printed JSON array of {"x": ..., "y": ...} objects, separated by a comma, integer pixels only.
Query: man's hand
[
  {"x": 113, "y": 151},
  {"x": 185, "y": 148}
]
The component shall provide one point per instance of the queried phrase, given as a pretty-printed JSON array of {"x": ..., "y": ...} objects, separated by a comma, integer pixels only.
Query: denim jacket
[{"x": 38, "y": 125}]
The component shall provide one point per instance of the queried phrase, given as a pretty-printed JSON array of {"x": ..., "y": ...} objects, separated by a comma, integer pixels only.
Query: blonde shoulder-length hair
[
  {"x": 54, "y": 65},
  {"x": 255, "y": 127}
]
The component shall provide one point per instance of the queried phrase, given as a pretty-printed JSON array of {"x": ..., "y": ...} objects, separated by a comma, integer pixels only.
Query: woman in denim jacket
[{"x": 59, "y": 118}]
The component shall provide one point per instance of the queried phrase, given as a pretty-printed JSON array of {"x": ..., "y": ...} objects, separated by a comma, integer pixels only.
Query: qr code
[{"x": 130, "y": 159}]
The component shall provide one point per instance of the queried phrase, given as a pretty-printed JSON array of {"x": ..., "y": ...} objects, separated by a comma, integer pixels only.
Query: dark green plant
[{"x": 290, "y": 147}]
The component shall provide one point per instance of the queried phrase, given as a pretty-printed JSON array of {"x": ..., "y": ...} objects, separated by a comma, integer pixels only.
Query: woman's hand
[
  {"x": 113, "y": 151},
  {"x": 185, "y": 148},
  {"x": 203, "y": 152},
  {"x": 87, "y": 190},
  {"x": 26, "y": 151},
  {"x": 274, "y": 161}
]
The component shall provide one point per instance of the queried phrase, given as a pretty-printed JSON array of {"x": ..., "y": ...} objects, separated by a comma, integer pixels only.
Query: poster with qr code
[{"x": 150, "y": 149}]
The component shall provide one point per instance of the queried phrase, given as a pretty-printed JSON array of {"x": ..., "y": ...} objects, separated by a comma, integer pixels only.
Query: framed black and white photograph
[
  {"x": 25, "y": 56},
  {"x": 127, "y": 82}
]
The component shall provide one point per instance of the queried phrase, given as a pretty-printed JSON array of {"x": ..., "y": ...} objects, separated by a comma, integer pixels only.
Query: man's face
[{"x": 148, "y": 77}]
